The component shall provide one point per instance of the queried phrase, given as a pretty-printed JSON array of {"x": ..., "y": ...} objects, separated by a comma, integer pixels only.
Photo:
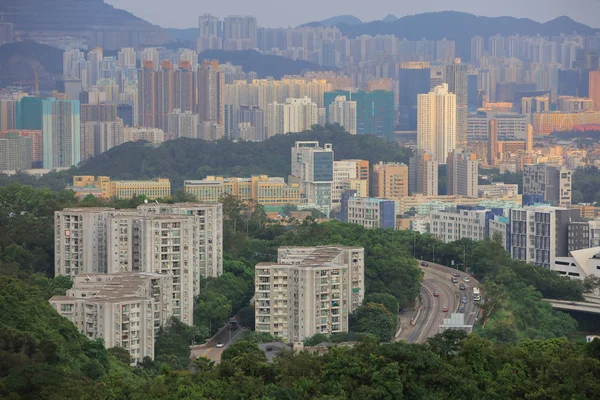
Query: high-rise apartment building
[
  {"x": 150, "y": 54},
  {"x": 458, "y": 83},
  {"x": 296, "y": 115},
  {"x": 100, "y": 136},
  {"x": 547, "y": 184},
  {"x": 152, "y": 135},
  {"x": 147, "y": 96},
  {"x": 463, "y": 174},
  {"x": 374, "y": 111},
  {"x": 309, "y": 290},
  {"x": 492, "y": 153},
  {"x": 211, "y": 33},
  {"x": 423, "y": 175},
  {"x": 125, "y": 310},
  {"x": 15, "y": 152},
  {"x": 390, "y": 180},
  {"x": 80, "y": 240},
  {"x": 437, "y": 126},
  {"x": 61, "y": 127},
  {"x": 239, "y": 33},
  {"x": 477, "y": 49},
  {"x": 312, "y": 168},
  {"x": 594, "y": 90},
  {"x": 210, "y": 92},
  {"x": 185, "y": 87},
  {"x": 539, "y": 234},
  {"x": 414, "y": 78},
  {"x": 464, "y": 223},
  {"x": 164, "y": 91},
  {"x": 127, "y": 58},
  {"x": 182, "y": 124},
  {"x": 343, "y": 112},
  {"x": 353, "y": 174},
  {"x": 94, "y": 57}
]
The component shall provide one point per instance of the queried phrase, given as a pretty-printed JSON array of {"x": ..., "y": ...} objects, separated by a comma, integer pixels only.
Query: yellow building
[
  {"x": 153, "y": 189},
  {"x": 546, "y": 123},
  {"x": 265, "y": 190}
]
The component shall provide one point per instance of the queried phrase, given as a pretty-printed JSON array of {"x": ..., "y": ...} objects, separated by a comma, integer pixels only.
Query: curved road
[{"x": 437, "y": 278}]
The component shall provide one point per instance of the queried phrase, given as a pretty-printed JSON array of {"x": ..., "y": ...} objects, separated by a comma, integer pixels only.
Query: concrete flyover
[
  {"x": 437, "y": 278},
  {"x": 566, "y": 305}
]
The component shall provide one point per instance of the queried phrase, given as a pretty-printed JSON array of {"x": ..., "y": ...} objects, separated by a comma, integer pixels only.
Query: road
[
  {"x": 209, "y": 350},
  {"x": 437, "y": 278}
]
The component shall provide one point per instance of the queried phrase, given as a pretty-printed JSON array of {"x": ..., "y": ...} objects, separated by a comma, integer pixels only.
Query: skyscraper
[
  {"x": 390, "y": 180},
  {"x": 423, "y": 175},
  {"x": 457, "y": 79},
  {"x": 211, "y": 32},
  {"x": 492, "y": 155},
  {"x": 594, "y": 91},
  {"x": 210, "y": 92},
  {"x": 61, "y": 133},
  {"x": 436, "y": 128},
  {"x": 295, "y": 115},
  {"x": 463, "y": 174},
  {"x": 414, "y": 79},
  {"x": 165, "y": 93},
  {"x": 185, "y": 92},
  {"x": 477, "y": 45},
  {"x": 126, "y": 57},
  {"x": 343, "y": 112},
  {"x": 94, "y": 57},
  {"x": 147, "y": 96}
]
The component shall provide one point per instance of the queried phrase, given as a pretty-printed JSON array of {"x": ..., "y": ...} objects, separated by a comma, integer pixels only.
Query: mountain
[
  {"x": 18, "y": 60},
  {"x": 340, "y": 19},
  {"x": 102, "y": 24},
  {"x": 264, "y": 65},
  {"x": 461, "y": 27},
  {"x": 390, "y": 18}
]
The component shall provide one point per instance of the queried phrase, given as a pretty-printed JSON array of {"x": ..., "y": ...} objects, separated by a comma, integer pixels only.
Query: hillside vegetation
[{"x": 195, "y": 158}]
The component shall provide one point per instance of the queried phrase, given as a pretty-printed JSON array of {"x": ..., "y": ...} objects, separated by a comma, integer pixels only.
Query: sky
[{"x": 282, "y": 13}]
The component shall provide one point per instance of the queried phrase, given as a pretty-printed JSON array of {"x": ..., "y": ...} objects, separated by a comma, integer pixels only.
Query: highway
[
  {"x": 437, "y": 278},
  {"x": 209, "y": 350}
]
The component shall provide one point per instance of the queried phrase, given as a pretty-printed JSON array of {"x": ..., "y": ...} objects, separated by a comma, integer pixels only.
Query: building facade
[
  {"x": 309, "y": 290},
  {"x": 436, "y": 125},
  {"x": 548, "y": 184},
  {"x": 463, "y": 174},
  {"x": 124, "y": 310}
]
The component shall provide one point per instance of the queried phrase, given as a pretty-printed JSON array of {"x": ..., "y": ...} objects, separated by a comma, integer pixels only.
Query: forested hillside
[{"x": 195, "y": 158}]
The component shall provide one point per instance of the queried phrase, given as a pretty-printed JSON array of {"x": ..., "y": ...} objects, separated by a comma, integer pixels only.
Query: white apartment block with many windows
[
  {"x": 124, "y": 310},
  {"x": 309, "y": 290},
  {"x": 452, "y": 226}
]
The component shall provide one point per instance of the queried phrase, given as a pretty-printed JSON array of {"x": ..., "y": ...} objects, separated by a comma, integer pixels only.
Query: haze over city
[
  {"x": 274, "y": 13},
  {"x": 299, "y": 200}
]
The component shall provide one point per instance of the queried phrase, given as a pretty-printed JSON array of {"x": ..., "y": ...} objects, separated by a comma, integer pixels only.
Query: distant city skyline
[{"x": 184, "y": 13}]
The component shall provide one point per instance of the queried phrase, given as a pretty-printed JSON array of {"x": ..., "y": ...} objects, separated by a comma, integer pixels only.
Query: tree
[
  {"x": 447, "y": 343},
  {"x": 388, "y": 301},
  {"x": 375, "y": 319}
]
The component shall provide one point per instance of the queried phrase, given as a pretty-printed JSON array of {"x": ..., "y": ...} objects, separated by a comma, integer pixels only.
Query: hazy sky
[{"x": 276, "y": 13}]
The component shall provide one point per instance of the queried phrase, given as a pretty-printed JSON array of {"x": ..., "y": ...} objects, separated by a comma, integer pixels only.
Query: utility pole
[
  {"x": 414, "y": 244},
  {"x": 433, "y": 255}
]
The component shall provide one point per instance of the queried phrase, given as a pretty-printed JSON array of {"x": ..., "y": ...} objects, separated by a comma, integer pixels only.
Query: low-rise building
[
  {"x": 579, "y": 264},
  {"x": 265, "y": 190},
  {"x": 308, "y": 290},
  {"x": 124, "y": 310},
  {"x": 368, "y": 212},
  {"x": 159, "y": 188},
  {"x": 460, "y": 224},
  {"x": 499, "y": 189}
]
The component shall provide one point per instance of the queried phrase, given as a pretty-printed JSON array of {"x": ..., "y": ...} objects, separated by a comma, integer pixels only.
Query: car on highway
[
  {"x": 220, "y": 345},
  {"x": 462, "y": 286},
  {"x": 464, "y": 300},
  {"x": 466, "y": 279},
  {"x": 461, "y": 309},
  {"x": 424, "y": 264},
  {"x": 454, "y": 280},
  {"x": 445, "y": 309},
  {"x": 436, "y": 294},
  {"x": 455, "y": 274}
]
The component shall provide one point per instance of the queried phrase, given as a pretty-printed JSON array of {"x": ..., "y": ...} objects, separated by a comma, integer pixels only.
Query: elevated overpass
[{"x": 580, "y": 306}]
